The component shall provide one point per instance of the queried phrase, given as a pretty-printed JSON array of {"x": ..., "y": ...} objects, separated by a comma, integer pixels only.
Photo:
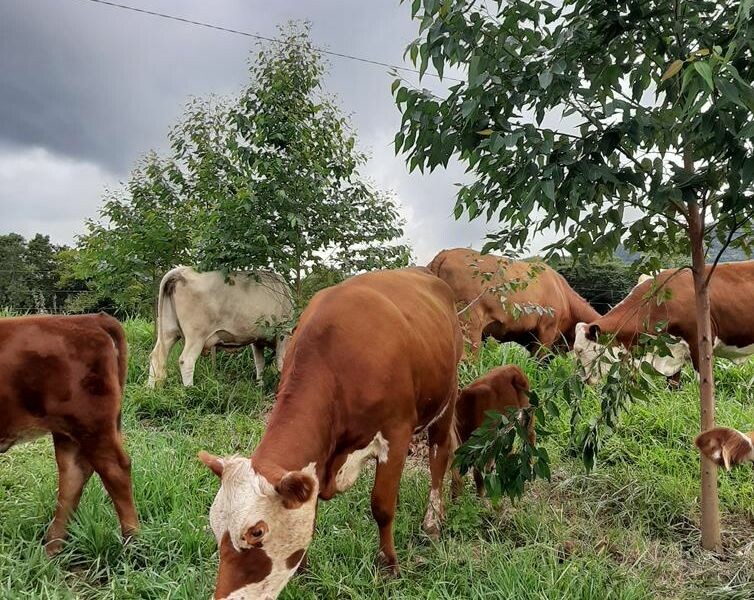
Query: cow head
[
  {"x": 262, "y": 527},
  {"x": 593, "y": 356},
  {"x": 596, "y": 359},
  {"x": 726, "y": 447}
]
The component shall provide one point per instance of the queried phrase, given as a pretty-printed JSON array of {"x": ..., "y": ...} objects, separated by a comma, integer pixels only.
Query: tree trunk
[{"x": 710, "y": 521}]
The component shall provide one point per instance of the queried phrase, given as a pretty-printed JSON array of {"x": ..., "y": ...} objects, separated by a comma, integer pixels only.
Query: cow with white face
[
  {"x": 726, "y": 447},
  {"x": 596, "y": 359},
  {"x": 373, "y": 361},
  {"x": 731, "y": 288},
  {"x": 262, "y": 530}
]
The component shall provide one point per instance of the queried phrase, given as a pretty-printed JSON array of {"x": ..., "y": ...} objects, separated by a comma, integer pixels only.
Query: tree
[
  {"x": 144, "y": 229},
  {"x": 266, "y": 180},
  {"x": 653, "y": 105},
  {"x": 43, "y": 271},
  {"x": 279, "y": 172},
  {"x": 15, "y": 292}
]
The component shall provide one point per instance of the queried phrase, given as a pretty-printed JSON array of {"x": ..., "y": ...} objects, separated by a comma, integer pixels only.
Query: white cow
[
  {"x": 596, "y": 358},
  {"x": 206, "y": 311}
]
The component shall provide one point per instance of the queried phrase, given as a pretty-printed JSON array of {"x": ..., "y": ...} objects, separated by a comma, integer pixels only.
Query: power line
[{"x": 256, "y": 36}]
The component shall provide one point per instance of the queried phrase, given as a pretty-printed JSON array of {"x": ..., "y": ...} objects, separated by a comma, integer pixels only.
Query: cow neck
[
  {"x": 299, "y": 432},
  {"x": 581, "y": 310}
]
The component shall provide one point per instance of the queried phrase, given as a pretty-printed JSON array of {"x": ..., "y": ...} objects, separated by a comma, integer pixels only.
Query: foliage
[
  {"x": 602, "y": 283},
  {"x": 619, "y": 154},
  {"x": 30, "y": 273},
  {"x": 654, "y": 104},
  {"x": 145, "y": 229},
  {"x": 269, "y": 179},
  {"x": 278, "y": 171}
]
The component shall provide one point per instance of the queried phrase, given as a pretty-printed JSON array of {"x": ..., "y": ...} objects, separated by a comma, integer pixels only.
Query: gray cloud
[{"x": 87, "y": 89}]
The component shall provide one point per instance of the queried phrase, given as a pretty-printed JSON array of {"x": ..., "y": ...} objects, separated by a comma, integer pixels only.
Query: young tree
[
  {"x": 279, "y": 173},
  {"x": 144, "y": 229},
  {"x": 603, "y": 121}
]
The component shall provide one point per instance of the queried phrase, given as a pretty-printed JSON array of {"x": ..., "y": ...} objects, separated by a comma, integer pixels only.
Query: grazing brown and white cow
[
  {"x": 65, "y": 375},
  {"x": 731, "y": 287},
  {"x": 501, "y": 389},
  {"x": 726, "y": 447},
  {"x": 596, "y": 359},
  {"x": 207, "y": 312},
  {"x": 479, "y": 281},
  {"x": 373, "y": 361}
]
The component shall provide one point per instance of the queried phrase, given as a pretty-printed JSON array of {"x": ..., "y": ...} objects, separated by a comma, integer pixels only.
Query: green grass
[{"x": 628, "y": 530}]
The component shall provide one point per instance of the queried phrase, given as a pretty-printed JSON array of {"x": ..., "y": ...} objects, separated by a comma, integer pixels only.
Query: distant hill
[{"x": 730, "y": 254}]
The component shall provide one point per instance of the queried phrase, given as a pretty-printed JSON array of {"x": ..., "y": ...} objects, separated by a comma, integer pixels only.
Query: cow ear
[
  {"x": 295, "y": 488},
  {"x": 593, "y": 332},
  {"x": 725, "y": 447},
  {"x": 214, "y": 463}
]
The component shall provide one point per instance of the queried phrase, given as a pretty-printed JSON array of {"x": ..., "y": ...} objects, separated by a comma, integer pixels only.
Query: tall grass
[{"x": 628, "y": 530}]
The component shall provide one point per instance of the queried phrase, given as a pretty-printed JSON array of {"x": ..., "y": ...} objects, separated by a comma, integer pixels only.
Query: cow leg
[
  {"x": 280, "y": 350},
  {"x": 258, "y": 360},
  {"x": 159, "y": 356},
  {"x": 456, "y": 484},
  {"x": 385, "y": 496},
  {"x": 113, "y": 466},
  {"x": 479, "y": 482},
  {"x": 73, "y": 473},
  {"x": 191, "y": 351},
  {"x": 439, "y": 440}
]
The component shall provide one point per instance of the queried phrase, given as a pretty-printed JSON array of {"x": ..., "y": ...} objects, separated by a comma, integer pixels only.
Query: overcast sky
[{"x": 86, "y": 89}]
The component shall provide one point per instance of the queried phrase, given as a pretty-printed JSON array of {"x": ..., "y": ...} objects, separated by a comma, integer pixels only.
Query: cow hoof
[
  {"x": 432, "y": 531},
  {"x": 388, "y": 565},
  {"x": 53, "y": 547}
]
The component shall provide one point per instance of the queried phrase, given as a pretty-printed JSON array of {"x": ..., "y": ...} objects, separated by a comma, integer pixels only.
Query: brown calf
[
  {"x": 372, "y": 361},
  {"x": 481, "y": 285},
  {"x": 726, "y": 447},
  {"x": 501, "y": 389},
  {"x": 65, "y": 375}
]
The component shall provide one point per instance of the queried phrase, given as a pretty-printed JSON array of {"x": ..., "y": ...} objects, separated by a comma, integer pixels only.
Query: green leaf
[
  {"x": 703, "y": 68},
  {"x": 545, "y": 79}
]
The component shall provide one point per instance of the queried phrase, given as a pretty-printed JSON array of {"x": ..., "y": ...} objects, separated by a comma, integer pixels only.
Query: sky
[{"x": 86, "y": 89}]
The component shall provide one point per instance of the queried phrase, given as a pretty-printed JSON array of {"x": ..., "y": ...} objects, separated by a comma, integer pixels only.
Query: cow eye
[{"x": 255, "y": 534}]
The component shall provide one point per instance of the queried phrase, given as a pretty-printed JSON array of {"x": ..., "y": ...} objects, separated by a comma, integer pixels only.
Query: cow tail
[
  {"x": 455, "y": 434},
  {"x": 114, "y": 329},
  {"x": 165, "y": 298}
]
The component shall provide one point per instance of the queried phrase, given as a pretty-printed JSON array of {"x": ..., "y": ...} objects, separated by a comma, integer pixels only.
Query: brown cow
[
  {"x": 479, "y": 281},
  {"x": 65, "y": 375},
  {"x": 373, "y": 361},
  {"x": 726, "y": 447},
  {"x": 500, "y": 389},
  {"x": 731, "y": 290}
]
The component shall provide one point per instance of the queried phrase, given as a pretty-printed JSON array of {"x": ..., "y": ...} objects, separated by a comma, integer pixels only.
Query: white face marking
[
  {"x": 348, "y": 474},
  {"x": 595, "y": 358},
  {"x": 735, "y": 354},
  {"x": 245, "y": 498}
]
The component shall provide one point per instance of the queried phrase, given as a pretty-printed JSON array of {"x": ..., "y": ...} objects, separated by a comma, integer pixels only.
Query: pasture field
[{"x": 628, "y": 530}]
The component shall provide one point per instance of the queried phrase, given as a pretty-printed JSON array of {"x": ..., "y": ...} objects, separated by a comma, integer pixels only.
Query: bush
[{"x": 602, "y": 284}]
